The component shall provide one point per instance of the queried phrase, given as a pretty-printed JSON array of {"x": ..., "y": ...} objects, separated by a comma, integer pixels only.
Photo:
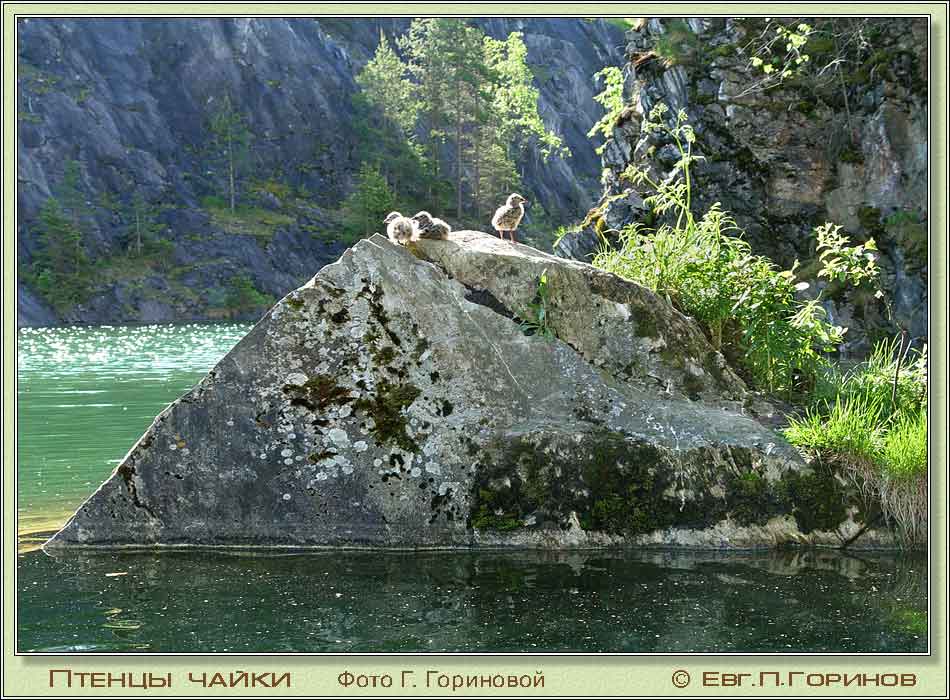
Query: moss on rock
[{"x": 386, "y": 409}]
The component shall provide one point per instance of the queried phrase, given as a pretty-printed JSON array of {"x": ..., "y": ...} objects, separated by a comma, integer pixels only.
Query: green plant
[
  {"x": 872, "y": 422},
  {"x": 242, "y": 295},
  {"x": 230, "y": 139},
  {"x": 611, "y": 99},
  {"x": 750, "y": 309},
  {"x": 899, "y": 387},
  {"x": 904, "y": 451},
  {"x": 678, "y": 45},
  {"x": 244, "y": 220},
  {"x": 780, "y": 54},
  {"x": 60, "y": 269},
  {"x": 365, "y": 208},
  {"x": 853, "y": 427},
  {"x": 537, "y": 319}
]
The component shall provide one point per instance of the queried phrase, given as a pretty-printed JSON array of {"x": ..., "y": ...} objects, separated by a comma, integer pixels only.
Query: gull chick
[
  {"x": 509, "y": 215},
  {"x": 429, "y": 226},
  {"x": 398, "y": 228}
]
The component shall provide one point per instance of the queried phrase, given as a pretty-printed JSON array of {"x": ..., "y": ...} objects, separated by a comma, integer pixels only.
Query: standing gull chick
[
  {"x": 430, "y": 227},
  {"x": 398, "y": 228},
  {"x": 509, "y": 215}
]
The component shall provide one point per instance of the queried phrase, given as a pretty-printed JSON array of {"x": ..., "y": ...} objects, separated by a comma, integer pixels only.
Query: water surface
[
  {"x": 86, "y": 394},
  {"x": 448, "y": 602}
]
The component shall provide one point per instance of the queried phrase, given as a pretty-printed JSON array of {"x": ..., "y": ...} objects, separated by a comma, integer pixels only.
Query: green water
[
  {"x": 387, "y": 602},
  {"x": 86, "y": 394}
]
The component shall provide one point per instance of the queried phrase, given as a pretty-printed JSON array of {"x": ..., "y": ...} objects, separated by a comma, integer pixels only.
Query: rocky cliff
[
  {"x": 128, "y": 101},
  {"x": 843, "y": 139},
  {"x": 418, "y": 397}
]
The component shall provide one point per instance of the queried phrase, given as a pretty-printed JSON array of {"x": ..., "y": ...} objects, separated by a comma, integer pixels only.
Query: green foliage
[
  {"x": 244, "y": 220},
  {"x": 852, "y": 426},
  {"x": 781, "y": 54},
  {"x": 229, "y": 142},
  {"x": 844, "y": 263},
  {"x": 515, "y": 99},
  {"x": 242, "y": 295},
  {"x": 60, "y": 268},
  {"x": 61, "y": 271},
  {"x": 447, "y": 120},
  {"x": 367, "y": 205},
  {"x": 899, "y": 391},
  {"x": 611, "y": 98},
  {"x": 678, "y": 45},
  {"x": 143, "y": 229},
  {"x": 537, "y": 319},
  {"x": 751, "y": 310},
  {"x": 387, "y": 113},
  {"x": 904, "y": 452},
  {"x": 872, "y": 420},
  {"x": 385, "y": 81},
  {"x": 827, "y": 58}
]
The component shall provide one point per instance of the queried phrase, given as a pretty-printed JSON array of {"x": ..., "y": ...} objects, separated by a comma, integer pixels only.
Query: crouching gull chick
[{"x": 430, "y": 227}]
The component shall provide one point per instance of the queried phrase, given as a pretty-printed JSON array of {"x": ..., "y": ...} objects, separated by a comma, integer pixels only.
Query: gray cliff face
[
  {"x": 395, "y": 400},
  {"x": 129, "y": 100},
  {"x": 785, "y": 160}
]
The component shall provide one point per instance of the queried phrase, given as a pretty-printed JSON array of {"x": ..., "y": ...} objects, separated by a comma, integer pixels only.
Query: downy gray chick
[
  {"x": 398, "y": 228},
  {"x": 429, "y": 226},
  {"x": 509, "y": 215}
]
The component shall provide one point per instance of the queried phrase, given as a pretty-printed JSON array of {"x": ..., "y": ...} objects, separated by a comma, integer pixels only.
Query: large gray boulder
[{"x": 396, "y": 400}]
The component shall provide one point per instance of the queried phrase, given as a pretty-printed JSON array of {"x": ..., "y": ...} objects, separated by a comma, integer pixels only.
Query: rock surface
[
  {"x": 396, "y": 400},
  {"x": 788, "y": 159}
]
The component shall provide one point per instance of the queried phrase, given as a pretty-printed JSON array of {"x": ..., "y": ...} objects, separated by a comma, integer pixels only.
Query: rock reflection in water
[{"x": 338, "y": 601}]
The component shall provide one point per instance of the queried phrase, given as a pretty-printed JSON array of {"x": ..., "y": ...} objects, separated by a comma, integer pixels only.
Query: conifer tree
[
  {"x": 366, "y": 207},
  {"x": 230, "y": 140}
]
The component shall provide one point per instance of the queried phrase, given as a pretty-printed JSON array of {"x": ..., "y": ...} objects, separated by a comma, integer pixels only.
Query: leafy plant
[
  {"x": 780, "y": 54},
  {"x": 536, "y": 319},
  {"x": 750, "y": 309},
  {"x": 611, "y": 98}
]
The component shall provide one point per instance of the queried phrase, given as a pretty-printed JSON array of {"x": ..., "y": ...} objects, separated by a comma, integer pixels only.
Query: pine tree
[
  {"x": 366, "y": 207},
  {"x": 387, "y": 114},
  {"x": 144, "y": 227},
  {"x": 466, "y": 94},
  {"x": 230, "y": 140},
  {"x": 384, "y": 80},
  {"x": 61, "y": 263}
]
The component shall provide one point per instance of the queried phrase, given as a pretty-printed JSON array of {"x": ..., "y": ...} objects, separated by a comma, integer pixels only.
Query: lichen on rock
[{"x": 395, "y": 401}]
